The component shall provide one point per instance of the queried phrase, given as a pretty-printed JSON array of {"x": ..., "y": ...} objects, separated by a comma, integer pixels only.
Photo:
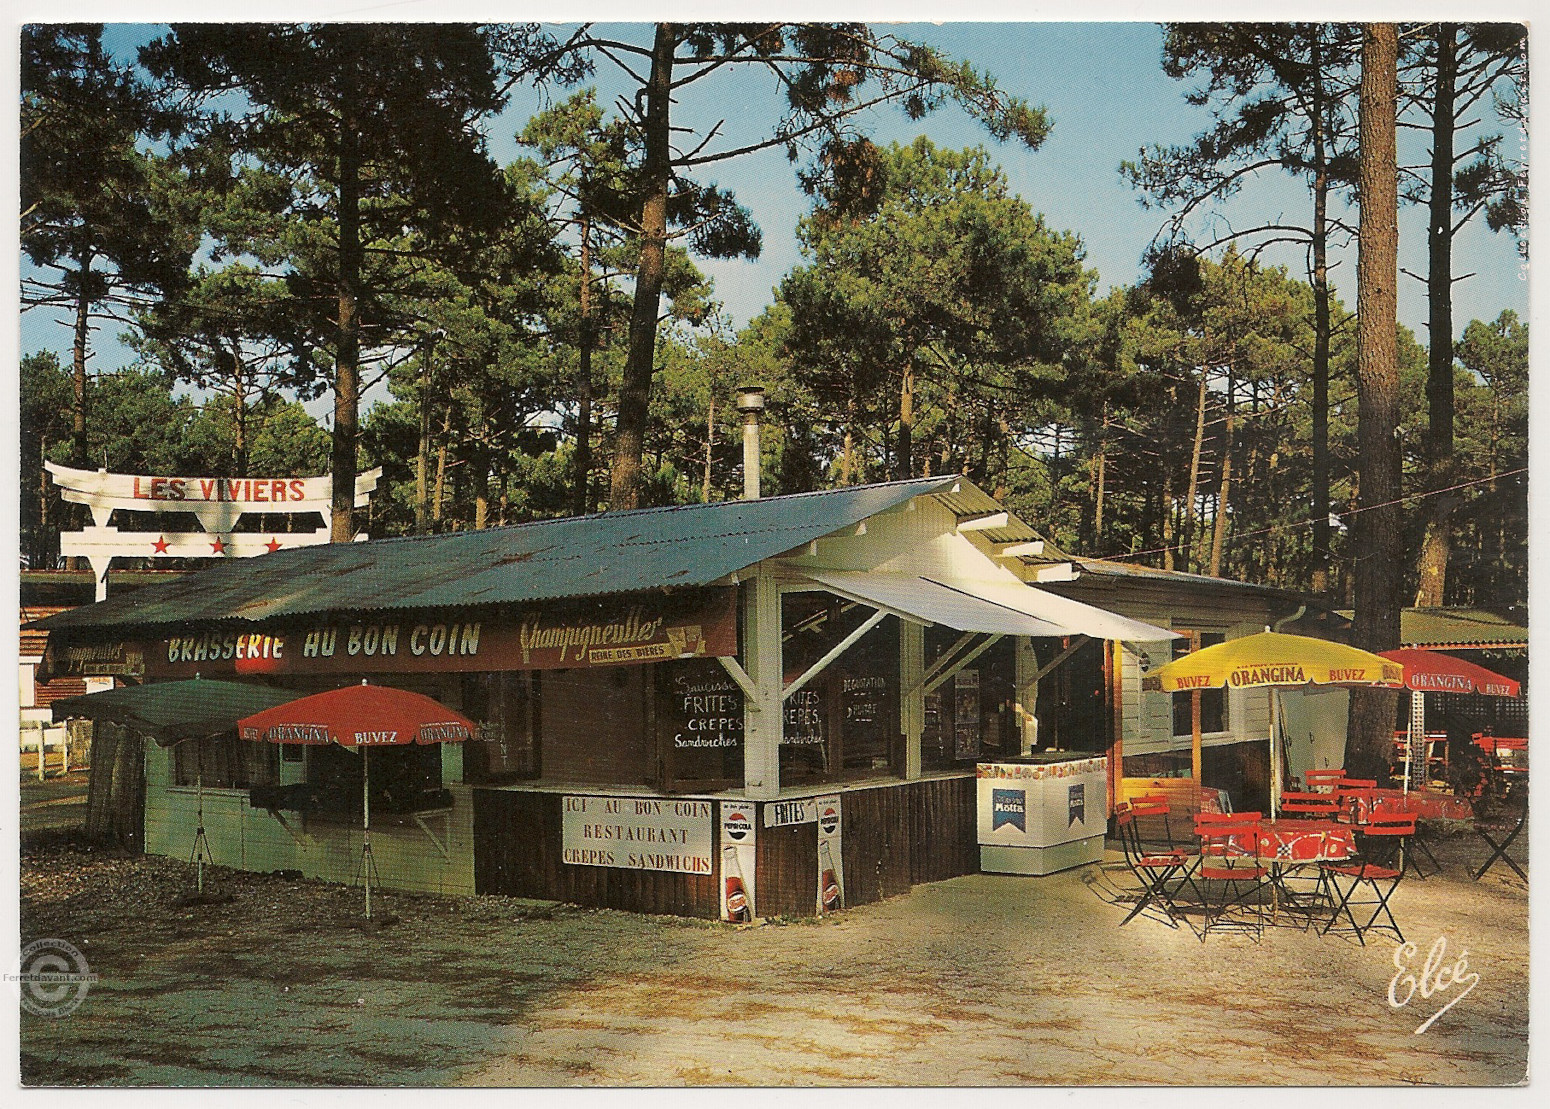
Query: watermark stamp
[
  {"x": 1437, "y": 976},
  {"x": 54, "y": 978}
]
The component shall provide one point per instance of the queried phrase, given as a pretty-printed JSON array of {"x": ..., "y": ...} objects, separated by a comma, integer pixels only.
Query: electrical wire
[{"x": 1349, "y": 512}]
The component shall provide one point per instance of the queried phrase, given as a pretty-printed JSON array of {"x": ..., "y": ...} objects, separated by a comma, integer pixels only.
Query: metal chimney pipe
[{"x": 750, "y": 402}]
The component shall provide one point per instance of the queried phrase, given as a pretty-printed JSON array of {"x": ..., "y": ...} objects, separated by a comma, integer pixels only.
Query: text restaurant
[{"x": 751, "y": 708}]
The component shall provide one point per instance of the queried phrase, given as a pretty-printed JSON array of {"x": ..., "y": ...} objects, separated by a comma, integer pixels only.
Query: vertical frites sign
[
  {"x": 831, "y": 869},
  {"x": 737, "y": 861}
]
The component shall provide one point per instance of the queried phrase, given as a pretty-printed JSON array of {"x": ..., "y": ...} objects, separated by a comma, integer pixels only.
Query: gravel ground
[{"x": 982, "y": 980}]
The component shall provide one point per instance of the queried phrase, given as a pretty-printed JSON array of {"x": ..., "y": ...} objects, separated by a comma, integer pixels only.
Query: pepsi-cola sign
[
  {"x": 828, "y": 820},
  {"x": 737, "y": 826}
]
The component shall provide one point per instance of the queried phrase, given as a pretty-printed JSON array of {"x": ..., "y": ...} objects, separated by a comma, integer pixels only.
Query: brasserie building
[{"x": 783, "y": 697}]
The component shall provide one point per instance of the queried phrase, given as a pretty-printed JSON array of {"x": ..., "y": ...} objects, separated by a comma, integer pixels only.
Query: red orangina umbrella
[
  {"x": 1434, "y": 672},
  {"x": 360, "y": 716}
]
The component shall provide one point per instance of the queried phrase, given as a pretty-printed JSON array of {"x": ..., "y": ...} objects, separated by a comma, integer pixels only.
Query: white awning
[
  {"x": 1076, "y": 616},
  {"x": 1008, "y": 608}
]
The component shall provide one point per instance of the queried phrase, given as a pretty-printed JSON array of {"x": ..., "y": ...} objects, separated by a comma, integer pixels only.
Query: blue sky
[{"x": 1104, "y": 88}]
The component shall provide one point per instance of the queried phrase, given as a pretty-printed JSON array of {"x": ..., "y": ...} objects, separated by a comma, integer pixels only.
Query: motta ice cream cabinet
[{"x": 1041, "y": 813}]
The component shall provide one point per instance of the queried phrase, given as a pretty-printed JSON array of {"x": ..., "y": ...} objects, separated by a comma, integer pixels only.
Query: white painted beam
[
  {"x": 986, "y": 523},
  {"x": 835, "y": 652}
]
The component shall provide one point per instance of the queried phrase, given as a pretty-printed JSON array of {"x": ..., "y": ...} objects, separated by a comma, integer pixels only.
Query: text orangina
[{"x": 1268, "y": 675}]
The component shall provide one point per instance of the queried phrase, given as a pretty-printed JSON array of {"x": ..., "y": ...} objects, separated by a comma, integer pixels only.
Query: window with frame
[
  {"x": 1213, "y": 702},
  {"x": 225, "y": 762},
  {"x": 844, "y": 724},
  {"x": 505, "y": 705}
]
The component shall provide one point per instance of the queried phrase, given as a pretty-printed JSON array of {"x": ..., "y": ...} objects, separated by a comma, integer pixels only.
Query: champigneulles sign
[{"x": 617, "y": 631}]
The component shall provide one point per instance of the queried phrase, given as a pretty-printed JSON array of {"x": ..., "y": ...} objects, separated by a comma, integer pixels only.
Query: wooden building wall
[
  {"x": 329, "y": 848},
  {"x": 893, "y": 836},
  {"x": 517, "y": 846}
]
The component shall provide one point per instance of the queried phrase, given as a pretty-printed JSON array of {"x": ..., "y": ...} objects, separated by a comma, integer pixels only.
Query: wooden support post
[
  {"x": 1194, "y": 718},
  {"x": 762, "y": 716},
  {"x": 1115, "y": 660},
  {"x": 912, "y": 706}
]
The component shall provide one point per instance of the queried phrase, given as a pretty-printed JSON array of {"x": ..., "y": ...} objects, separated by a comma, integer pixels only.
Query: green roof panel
[{"x": 580, "y": 556}]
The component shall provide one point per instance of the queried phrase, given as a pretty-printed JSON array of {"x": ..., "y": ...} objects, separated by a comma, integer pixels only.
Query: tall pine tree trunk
[
  {"x": 240, "y": 415},
  {"x": 422, "y": 461},
  {"x": 1099, "y": 483},
  {"x": 347, "y": 369},
  {"x": 1378, "y": 528},
  {"x": 1433, "y": 568},
  {"x": 640, "y": 361},
  {"x": 1219, "y": 530},
  {"x": 903, "y": 459},
  {"x": 710, "y": 446},
  {"x": 1187, "y": 540},
  {"x": 581, "y": 496},
  {"x": 1321, "y": 330},
  {"x": 80, "y": 451}
]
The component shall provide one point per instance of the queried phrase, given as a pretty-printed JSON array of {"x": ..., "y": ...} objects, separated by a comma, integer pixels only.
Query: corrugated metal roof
[
  {"x": 1441, "y": 628},
  {"x": 582, "y": 556},
  {"x": 1104, "y": 568}
]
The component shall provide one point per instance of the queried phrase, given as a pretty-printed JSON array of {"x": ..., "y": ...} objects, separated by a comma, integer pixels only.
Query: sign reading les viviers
[{"x": 616, "y": 632}]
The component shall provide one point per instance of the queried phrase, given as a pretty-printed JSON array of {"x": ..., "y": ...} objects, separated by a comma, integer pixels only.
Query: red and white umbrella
[
  {"x": 1434, "y": 672},
  {"x": 361, "y": 717}
]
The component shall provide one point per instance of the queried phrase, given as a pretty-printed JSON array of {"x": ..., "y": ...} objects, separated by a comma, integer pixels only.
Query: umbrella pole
[
  {"x": 366, "y": 860},
  {"x": 199, "y": 832},
  {"x": 1416, "y": 732},
  {"x": 1275, "y": 753}
]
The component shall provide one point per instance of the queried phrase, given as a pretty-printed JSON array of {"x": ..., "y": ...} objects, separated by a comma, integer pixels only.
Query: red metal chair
[
  {"x": 1317, "y": 805},
  {"x": 1148, "y": 810},
  {"x": 1378, "y": 872},
  {"x": 1501, "y": 812},
  {"x": 1229, "y": 859},
  {"x": 1323, "y": 780},
  {"x": 1349, "y": 792},
  {"x": 1153, "y": 869}
]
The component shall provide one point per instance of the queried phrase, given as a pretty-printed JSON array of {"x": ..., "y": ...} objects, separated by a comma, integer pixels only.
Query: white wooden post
[
  {"x": 762, "y": 715},
  {"x": 912, "y": 703}
]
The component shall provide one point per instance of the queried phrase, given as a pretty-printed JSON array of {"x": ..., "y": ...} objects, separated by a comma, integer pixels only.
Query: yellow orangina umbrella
[{"x": 1274, "y": 660}]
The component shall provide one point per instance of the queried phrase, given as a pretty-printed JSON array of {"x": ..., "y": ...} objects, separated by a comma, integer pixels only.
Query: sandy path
[{"x": 980, "y": 980}]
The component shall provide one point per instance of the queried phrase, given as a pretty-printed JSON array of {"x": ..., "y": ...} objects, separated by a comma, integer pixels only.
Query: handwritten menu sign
[
  {"x": 804, "y": 719},
  {"x": 700, "y": 720}
]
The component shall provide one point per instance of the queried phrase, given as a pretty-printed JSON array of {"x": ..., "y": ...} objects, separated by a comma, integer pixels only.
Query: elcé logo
[{"x": 1436, "y": 976}]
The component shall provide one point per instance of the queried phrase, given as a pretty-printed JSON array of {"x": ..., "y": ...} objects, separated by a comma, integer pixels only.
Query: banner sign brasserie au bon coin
[{"x": 615, "y": 632}]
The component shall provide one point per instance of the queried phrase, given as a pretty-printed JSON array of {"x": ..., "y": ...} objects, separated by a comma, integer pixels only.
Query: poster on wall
[
  {"x": 966, "y": 714},
  {"x": 637, "y": 833},
  {"x": 831, "y": 871},
  {"x": 737, "y": 861}
]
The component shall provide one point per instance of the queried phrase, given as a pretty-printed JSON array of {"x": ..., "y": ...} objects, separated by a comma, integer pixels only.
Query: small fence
[{"x": 48, "y": 750}]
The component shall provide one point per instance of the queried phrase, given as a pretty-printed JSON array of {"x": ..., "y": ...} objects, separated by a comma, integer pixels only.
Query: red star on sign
[
  {"x": 160, "y": 544},
  {"x": 272, "y": 545},
  {"x": 217, "y": 546}
]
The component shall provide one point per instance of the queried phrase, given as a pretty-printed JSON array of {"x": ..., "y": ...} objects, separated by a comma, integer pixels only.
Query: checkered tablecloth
[
  {"x": 1362, "y": 805},
  {"x": 1306, "y": 841}
]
